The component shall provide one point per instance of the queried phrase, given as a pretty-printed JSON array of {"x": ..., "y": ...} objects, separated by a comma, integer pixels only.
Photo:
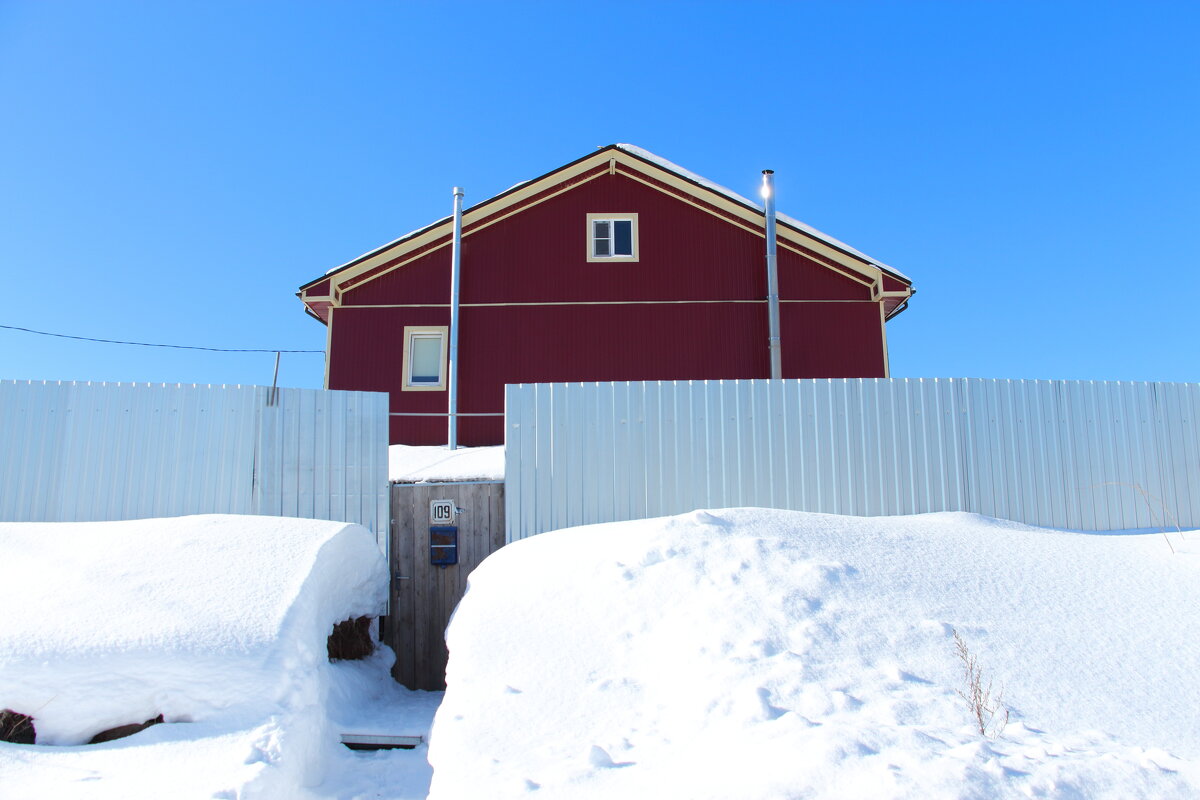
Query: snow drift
[
  {"x": 218, "y": 623},
  {"x": 768, "y": 654}
]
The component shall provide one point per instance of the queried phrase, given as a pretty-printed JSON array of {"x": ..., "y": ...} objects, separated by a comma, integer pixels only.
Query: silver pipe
[
  {"x": 773, "y": 340},
  {"x": 452, "y": 372}
]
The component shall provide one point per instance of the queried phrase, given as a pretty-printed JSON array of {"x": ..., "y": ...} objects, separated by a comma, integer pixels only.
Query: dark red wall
[{"x": 539, "y": 256}]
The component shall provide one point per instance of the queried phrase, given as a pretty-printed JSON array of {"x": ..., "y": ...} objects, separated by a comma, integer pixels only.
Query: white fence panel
[
  {"x": 105, "y": 451},
  {"x": 1074, "y": 454}
]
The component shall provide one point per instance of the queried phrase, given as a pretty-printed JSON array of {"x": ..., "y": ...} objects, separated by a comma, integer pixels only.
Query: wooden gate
[{"x": 424, "y": 595}]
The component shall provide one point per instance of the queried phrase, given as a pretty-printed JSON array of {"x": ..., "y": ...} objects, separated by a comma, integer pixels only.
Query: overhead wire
[{"x": 152, "y": 344}]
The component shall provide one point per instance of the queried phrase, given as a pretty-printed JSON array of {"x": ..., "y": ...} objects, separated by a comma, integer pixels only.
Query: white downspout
[
  {"x": 452, "y": 371},
  {"x": 773, "y": 342}
]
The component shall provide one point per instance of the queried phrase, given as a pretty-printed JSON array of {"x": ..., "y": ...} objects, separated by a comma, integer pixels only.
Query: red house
[{"x": 618, "y": 266}]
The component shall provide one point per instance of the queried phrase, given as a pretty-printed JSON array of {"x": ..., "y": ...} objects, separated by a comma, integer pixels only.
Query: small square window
[
  {"x": 424, "y": 358},
  {"x": 612, "y": 237}
]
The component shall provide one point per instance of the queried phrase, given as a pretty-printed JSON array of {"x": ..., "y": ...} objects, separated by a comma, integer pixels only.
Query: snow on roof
[
  {"x": 410, "y": 464},
  {"x": 732, "y": 195},
  {"x": 757, "y": 654},
  {"x": 383, "y": 247}
]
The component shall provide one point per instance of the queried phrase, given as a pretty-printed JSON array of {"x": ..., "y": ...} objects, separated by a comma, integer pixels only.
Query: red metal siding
[
  {"x": 831, "y": 340},
  {"x": 540, "y": 255},
  {"x": 527, "y": 344},
  {"x": 608, "y": 330},
  {"x": 801, "y": 278}
]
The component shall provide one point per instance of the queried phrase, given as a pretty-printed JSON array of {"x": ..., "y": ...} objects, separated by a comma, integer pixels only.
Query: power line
[{"x": 150, "y": 344}]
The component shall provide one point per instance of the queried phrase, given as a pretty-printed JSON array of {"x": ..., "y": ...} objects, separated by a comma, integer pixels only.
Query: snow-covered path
[{"x": 364, "y": 699}]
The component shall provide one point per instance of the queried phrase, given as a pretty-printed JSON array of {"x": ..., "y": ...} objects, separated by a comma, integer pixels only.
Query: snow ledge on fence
[{"x": 438, "y": 464}]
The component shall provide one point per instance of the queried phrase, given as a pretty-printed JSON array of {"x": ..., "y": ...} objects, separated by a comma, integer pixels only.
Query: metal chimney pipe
[
  {"x": 452, "y": 371},
  {"x": 773, "y": 341}
]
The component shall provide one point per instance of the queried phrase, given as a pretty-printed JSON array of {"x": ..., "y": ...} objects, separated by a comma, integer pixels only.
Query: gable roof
[{"x": 632, "y": 161}]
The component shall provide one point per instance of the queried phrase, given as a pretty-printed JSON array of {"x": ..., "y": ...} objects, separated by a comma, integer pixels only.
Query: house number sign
[{"x": 441, "y": 512}]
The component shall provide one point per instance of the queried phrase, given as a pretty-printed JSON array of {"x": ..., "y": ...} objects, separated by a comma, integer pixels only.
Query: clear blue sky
[{"x": 172, "y": 172}]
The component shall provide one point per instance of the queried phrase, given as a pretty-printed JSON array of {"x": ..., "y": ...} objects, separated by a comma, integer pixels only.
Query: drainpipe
[
  {"x": 452, "y": 372},
  {"x": 773, "y": 342}
]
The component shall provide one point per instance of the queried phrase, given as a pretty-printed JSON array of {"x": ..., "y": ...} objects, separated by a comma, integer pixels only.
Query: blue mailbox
[{"x": 443, "y": 545}]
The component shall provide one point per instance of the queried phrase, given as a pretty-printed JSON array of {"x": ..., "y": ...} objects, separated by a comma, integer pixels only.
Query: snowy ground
[
  {"x": 227, "y": 761},
  {"x": 219, "y": 624},
  {"x": 767, "y": 654},
  {"x": 741, "y": 653}
]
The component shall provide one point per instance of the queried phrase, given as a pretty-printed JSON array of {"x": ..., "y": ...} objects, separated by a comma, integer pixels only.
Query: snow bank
[
  {"x": 410, "y": 464},
  {"x": 764, "y": 654},
  {"x": 216, "y": 622}
]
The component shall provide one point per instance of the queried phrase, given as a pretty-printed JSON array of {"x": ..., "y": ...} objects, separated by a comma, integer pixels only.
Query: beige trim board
[
  {"x": 861, "y": 272},
  {"x": 434, "y": 235},
  {"x": 471, "y": 218},
  {"x": 328, "y": 344},
  {"x": 599, "y": 303}
]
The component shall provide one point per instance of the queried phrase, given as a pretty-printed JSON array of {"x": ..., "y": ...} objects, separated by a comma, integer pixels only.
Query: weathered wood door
[{"x": 424, "y": 595}]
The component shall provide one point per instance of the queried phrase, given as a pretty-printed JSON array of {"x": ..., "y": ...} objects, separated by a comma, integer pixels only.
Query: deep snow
[
  {"x": 218, "y": 623},
  {"x": 740, "y": 653},
  {"x": 761, "y": 654}
]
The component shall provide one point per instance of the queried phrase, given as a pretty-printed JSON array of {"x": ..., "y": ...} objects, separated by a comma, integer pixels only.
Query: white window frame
[
  {"x": 425, "y": 331},
  {"x": 591, "y": 235}
]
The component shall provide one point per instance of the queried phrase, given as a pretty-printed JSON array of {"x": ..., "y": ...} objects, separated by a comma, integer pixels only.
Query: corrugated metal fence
[
  {"x": 1073, "y": 454},
  {"x": 107, "y": 451}
]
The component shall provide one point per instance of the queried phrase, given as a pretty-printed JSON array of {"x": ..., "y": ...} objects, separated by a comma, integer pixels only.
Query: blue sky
[{"x": 172, "y": 172}]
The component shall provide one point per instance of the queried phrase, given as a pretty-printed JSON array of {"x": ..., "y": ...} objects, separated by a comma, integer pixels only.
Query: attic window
[
  {"x": 612, "y": 237},
  {"x": 424, "y": 358}
]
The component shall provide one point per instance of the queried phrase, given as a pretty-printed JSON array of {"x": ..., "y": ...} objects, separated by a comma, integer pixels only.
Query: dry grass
[
  {"x": 351, "y": 639},
  {"x": 16, "y": 728},
  {"x": 1150, "y": 501},
  {"x": 987, "y": 709}
]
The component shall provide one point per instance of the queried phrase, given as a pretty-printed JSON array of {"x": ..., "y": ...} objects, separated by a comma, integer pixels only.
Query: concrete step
[{"x": 381, "y": 741}]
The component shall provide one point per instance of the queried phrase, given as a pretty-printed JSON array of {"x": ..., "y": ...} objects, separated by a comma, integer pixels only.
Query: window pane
[
  {"x": 623, "y": 233},
  {"x": 425, "y": 359},
  {"x": 602, "y": 247},
  {"x": 600, "y": 229}
]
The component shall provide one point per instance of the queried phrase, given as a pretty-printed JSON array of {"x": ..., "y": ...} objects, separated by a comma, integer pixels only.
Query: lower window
[{"x": 424, "y": 358}]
